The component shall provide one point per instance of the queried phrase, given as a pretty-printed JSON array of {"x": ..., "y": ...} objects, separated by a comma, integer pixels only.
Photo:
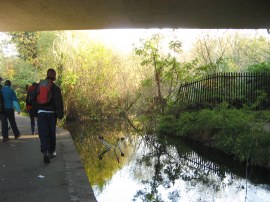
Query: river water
[{"x": 124, "y": 166}]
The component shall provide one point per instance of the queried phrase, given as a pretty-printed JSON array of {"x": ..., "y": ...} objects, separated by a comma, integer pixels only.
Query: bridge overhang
[{"x": 37, "y": 15}]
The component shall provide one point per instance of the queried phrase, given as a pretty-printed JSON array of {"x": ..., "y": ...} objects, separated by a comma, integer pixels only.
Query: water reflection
[
  {"x": 163, "y": 169},
  {"x": 108, "y": 146}
]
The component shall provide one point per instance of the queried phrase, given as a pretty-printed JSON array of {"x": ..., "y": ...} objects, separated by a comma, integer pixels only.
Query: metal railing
[{"x": 235, "y": 88}]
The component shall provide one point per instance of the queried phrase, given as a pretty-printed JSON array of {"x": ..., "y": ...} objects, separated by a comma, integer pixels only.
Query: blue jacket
[{"x": 10, "y": 98}]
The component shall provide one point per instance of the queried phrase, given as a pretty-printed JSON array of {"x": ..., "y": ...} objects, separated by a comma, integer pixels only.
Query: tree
[
  {"x": 26, "y": 43},
  {"x": 230, "y": 52},
  {"x": 165, "y": 67}
]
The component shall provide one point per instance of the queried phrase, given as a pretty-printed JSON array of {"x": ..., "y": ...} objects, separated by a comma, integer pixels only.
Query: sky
[{"x": 123, "y": 39}]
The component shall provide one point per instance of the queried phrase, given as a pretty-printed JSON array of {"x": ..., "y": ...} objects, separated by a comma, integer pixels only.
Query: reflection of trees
[
  {"x": 85, "y": 136},
  {"x": 173, "y": 161},
  {"x": 154, "y": 157}
]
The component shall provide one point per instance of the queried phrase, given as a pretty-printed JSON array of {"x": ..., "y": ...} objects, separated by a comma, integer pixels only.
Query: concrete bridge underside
[{"x": 37, "y": 15}]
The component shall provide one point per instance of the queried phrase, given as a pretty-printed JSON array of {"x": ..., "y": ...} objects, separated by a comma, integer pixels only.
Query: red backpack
[{"x": 44, "y": 91}]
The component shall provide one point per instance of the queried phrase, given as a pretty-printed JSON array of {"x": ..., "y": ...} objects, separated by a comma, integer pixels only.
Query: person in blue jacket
[{"x": 10, "y": 102}]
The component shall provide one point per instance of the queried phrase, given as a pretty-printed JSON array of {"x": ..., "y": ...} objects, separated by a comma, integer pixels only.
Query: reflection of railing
[
  {"x": 195, "y": 159},
  {"x": 108, "y": 147}
]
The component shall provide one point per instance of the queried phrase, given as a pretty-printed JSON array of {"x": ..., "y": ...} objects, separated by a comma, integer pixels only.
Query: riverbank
[{"x": 243, "y": 133}]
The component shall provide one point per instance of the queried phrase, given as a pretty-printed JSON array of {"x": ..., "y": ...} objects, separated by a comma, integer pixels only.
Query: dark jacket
[
  {"x": 1, "y": 103},
  {"x": 55, "y": 104}
]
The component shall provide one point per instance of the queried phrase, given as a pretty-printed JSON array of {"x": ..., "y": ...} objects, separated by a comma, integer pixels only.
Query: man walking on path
[
  {"x": 10, "y": 102},
  {"x": 48, "y": 103},
  {"x": 29, "y": 106}
]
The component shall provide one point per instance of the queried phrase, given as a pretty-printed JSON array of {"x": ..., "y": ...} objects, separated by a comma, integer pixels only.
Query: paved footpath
[{"x": 25, "y": 178}]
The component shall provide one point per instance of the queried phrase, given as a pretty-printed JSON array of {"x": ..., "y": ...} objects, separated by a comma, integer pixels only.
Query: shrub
[{"x": 236, "y": 132}]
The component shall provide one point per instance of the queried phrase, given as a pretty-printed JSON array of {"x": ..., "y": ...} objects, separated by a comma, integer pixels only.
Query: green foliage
[
  {"x": 262, "y": 97},
  {"x": 168, "y": 125},
  {"x": 47, "y": 57},
  {"x": 21, "y": 73},
  {"x": 26, "y": 44},
  {"x": 89, "y": 82},
  {"x": 234, "y": 123},
  {"x": 260, "y": 67},
  {"x": 255, "y": 147}
]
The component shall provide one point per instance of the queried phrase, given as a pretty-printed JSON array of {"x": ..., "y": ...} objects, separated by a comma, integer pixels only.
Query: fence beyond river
[{"x": 236, "y": 88}]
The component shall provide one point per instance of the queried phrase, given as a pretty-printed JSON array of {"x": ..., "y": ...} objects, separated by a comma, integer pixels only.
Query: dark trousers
[
  {"x": 46, "y": 130},
  {"x": 8, "y": 115},
  {"x": 32, "y": 115}
]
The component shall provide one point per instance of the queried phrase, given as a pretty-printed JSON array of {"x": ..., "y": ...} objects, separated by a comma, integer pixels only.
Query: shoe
[
  {"x": 17, "y": 136},
  {"x": 46, "y": 158},
  {"x": 5, "y": 139},
  {"x": 53, "y": 155}
]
